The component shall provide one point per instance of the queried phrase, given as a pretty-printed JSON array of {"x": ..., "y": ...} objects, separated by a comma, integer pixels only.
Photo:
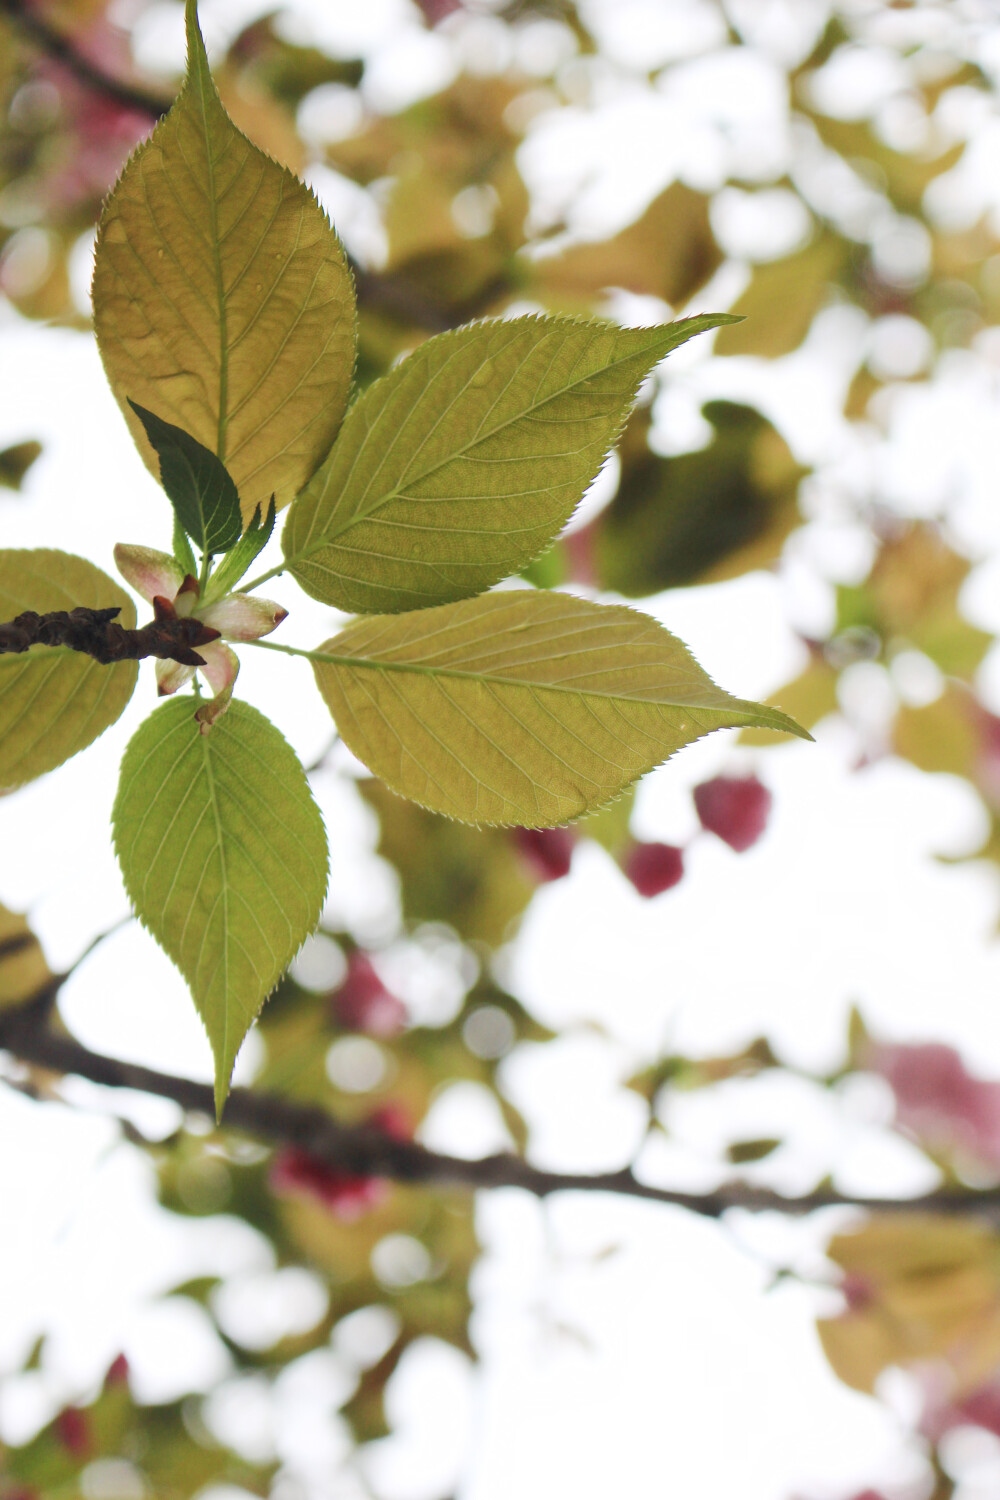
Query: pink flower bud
[
  {"x": 345, "y": 1194},
  {"x": 393, "y": 1120},
  {"x": 241, "y": 617},
  {"x": 72, "y": 1428},
  {"x": 654, "y": 868},
  {"x": 547, "y": 852},
  {"x": 363, "y": 1003},
  {"x": 735, "y": 808},
  {"x": 150, "y": 573}
]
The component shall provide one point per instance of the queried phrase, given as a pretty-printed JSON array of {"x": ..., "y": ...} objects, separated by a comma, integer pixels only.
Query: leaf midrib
[
  {"x": 364, "y": 663},
  {"x": 201, "y": 79},
  {"x": 221, "y": 843},
  {"x": 362, "y": 515},
  {"x": 198, "y": 499}
]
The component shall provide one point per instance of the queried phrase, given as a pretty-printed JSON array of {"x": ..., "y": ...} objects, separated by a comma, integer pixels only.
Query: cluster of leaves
[
  {"x": 917, "y": 1294},
  {"x": 222, "y": 295}
]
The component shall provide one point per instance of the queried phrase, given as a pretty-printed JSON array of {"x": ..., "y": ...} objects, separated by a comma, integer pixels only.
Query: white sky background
[{"x": 664, "y": 1366}]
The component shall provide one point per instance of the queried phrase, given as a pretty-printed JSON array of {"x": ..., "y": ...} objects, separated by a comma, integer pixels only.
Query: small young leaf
[
  {"x": 15, "y": 463},
  {"x": 521, "y": 707},
  {"x": 463, "y": 462},
  {"x": 253, "y": 541},
  {"x": 54, "y": 702},
  {"x": 23, "y": 970},
  {"x": 225, "y": 860},
  {"x": 198, "y": 486},
  {"x": 222, "y": 297},
  {"x": 183, "y": 556}
]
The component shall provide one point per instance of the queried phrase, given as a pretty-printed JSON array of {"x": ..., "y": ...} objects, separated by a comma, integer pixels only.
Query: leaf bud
[
  {"x": 241, "y": 617},
  {"x": 152, "y": 574}
]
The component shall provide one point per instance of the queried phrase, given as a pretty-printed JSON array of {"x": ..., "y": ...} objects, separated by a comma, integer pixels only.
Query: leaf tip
[
  {"x": 197, "y": 57},
  {"x": 785, "y": 724}
]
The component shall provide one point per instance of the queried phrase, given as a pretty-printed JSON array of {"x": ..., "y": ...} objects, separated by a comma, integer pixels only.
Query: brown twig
[
  {"x": 361, "y": 1149},
  {"x": 92, "y": 631},
  {"x": 56, "y": 45}
]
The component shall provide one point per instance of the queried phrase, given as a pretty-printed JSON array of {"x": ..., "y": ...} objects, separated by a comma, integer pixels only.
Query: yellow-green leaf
[
  {"x": 924, "y": 1288},
  {"x": 224, "y": 856},
  {"x": 15, "y": 463},
  {"x": 222, "y": 297},
  {"x": 668, "y": 252},
  {"x": 700, "y": 516},
  {"x": 472, "y": 878},
  {"x": 53, "y": 701},
  {"x": 783, "y": 298},
  {"x": 461, "y": 464},
  {"x": 521, "y": 707},
  {"x": 23, "y": 970}
]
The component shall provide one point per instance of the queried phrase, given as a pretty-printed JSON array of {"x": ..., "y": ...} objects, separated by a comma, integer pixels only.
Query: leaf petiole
[
  {"x": 255, "y": 583},
  {"x": 299, "y": 650}
]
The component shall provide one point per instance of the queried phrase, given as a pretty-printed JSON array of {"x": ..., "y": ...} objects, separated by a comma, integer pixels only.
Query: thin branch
[
  {"x": 368, "y": 1152},
  {"x": 324, "y": 755},
  {"x": 92, "y": 632},
  {"x": 56, "y": 45},
  {"x": 95, "y": 943}
]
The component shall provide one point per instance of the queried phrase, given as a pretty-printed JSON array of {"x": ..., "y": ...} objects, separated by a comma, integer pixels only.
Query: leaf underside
[
  {"x": 521, "y": 707},
  {"x": 462, "y": 464},
  {"x": 222, "y": 297},
  {"x": 55, "y": 702},
  {"x": 225, "y": 860}
]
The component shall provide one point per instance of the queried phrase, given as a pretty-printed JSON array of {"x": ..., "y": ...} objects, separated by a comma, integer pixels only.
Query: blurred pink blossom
[
  {"x": 939, "y": 1100},
  {"x": 363, "y": 1003},
  {"x": 547, "y": 852},
  {"x": 99, "y": 130},
  {"x": 943, "y": 1410}
]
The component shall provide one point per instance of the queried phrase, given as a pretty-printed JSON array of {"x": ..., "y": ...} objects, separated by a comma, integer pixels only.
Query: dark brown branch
[
  {"x": 59, "y": 47},
  {"x": 93, "y": 632},
  {"x": 369, "y": 1153}
]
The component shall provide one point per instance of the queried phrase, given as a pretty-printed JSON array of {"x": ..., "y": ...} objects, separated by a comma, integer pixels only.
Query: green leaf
[
  {"x": 253, "y": 541},
  {"x": 224, "y": 856},
  {"x": 183, "y": 556},
  {"x": 53, "y": 701},
  {"x": 198, "y": 486},
  {"x": 695, "y": 517},
  {"x": 462, "y": 463},
  {"x": 669, "y": 252},
  {"x": 472, "y": 878},
  {"x": 222, "y": 297},
  {"x": 521, "y": 707},
  {"x": 23, "y": 970},
  {"x": 781, "y": 301},
  {"x": 15, "y": 463}
]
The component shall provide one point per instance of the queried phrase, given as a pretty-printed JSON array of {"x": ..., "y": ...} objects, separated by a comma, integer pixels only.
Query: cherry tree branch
[
  {"x": 94, "y": 633},
  {"x": 56, "y": 45},
  {"x": 368, "y": 1152}
]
